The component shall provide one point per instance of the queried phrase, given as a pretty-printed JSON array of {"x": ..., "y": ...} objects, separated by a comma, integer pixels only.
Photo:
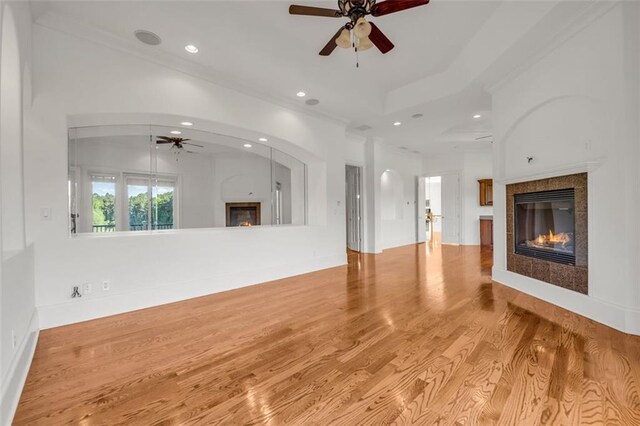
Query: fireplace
[
  {"x": 547, "y": 231},
  {"x": 545, "y": 225},
  {"x": 243, "y": 214}
]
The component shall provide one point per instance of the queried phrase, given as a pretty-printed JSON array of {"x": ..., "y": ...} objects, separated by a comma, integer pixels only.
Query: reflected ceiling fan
[
  {"x": 365, "y": 34},
  {"x": 178, "y": 143}
]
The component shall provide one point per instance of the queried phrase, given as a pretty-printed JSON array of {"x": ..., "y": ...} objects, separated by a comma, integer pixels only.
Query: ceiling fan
[
  {"x": 366, "y": 34},
  {"x": 178, "y": 143}
]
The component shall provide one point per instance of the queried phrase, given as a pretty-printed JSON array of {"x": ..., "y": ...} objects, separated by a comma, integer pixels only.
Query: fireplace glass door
[{"x": 545, "y": 225}]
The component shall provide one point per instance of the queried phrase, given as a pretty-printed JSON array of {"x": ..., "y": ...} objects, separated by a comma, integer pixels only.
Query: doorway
[
  {"x": 441, "y": 209},
  {"x": 353, "y": 205},
  {"x": 433, "y": 208}
]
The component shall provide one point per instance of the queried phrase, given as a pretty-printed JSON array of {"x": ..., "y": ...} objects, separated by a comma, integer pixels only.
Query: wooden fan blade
[
  {"x": 163, "y": 141},
  {"x": 192, "y": 144},
  {"x": 379, "y": 39},
  {"x": 331, "y": 46},
  {"x": 393, "y": 6},
  {"x": 294, "y": 9}
]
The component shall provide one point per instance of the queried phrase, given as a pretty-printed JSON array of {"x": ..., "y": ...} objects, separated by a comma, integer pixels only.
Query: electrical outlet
[
  {"x": 14, "y": 339},
  {"x": 106, "y": 285},
  {"x": 88, "y": 288}
]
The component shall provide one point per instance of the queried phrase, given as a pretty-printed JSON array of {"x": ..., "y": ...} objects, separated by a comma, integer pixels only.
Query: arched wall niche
[
  {"x": 391, "y": 193},
  {"x": 577, "y": 130},
  {"x": 11, "y": 154}
]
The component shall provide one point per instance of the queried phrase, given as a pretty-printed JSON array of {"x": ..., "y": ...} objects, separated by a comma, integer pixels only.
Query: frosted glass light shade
[
  {"x": 365, "y": 44},
  {"x": 362, "y": 28},
  {"x": 344, "y": 40}
]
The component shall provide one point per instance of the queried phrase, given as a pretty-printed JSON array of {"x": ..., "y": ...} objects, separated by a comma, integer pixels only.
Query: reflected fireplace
[
  {"x": 545, "y": 225},
  {"x": 243, "y": 214}
]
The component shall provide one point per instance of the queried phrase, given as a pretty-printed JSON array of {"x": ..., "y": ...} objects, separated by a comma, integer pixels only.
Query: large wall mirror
[{"x": 154, "y": 178}]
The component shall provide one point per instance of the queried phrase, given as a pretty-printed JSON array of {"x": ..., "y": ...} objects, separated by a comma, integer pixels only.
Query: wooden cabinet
[
  {"x": 486, "y": 231},
  {"x": 486, "y": 192}
]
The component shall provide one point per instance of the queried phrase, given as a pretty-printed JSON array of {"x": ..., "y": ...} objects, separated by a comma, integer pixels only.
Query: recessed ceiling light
[
  {"x": 263, "y": 139},
  {"x": 147, "y": 37},
  {"x": 397, "y": 123},
  {"x": 247, "y": 145},
  {"x": 301, "y": 94},
  {"x": 175, "y": 132},
  {"x": 477, "y": 116},
  {"x": 191, "y": 48},
  {"x": 312, "y": 102},
  {"x": 187, "y": 123},
  {"x": 418, "y": 115}
]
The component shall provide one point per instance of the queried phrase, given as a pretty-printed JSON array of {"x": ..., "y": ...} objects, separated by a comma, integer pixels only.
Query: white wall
[
  {"x": 470, "y": 167},
  {"x": 18, "y": 317},
  {"x": 396, "y": 175},
  {"x": 78, "y": 82},
  {"x": 576, "y": 110}
]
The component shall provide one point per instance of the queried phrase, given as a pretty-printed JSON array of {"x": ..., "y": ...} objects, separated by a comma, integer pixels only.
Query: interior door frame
[
  {"x": 460, "y": 199},
  {"x": 359, "y": 197}
]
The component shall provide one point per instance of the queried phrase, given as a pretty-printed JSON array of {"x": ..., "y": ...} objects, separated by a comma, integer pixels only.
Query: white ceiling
[{"x": 438, "y": 68}]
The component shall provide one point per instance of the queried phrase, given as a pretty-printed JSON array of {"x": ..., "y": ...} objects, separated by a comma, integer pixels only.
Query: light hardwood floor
[{"x": 417, "y": 335}]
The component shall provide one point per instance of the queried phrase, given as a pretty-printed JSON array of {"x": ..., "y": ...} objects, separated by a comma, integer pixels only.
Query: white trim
[
  {"x": 87, "y": 309},
  {"x": 621, "y": 318},
  {"x": 571, "y": 169},
  {"x": 16, "y": 377},
  {"x": 597, "y": 9}
]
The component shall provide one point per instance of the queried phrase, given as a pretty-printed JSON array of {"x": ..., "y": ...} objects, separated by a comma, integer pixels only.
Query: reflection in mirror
[{"x": 150, "y": 178}]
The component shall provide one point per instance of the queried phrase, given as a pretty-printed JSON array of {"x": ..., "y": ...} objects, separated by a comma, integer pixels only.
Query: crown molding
[
  {"x": 56, "y": 22},
  {"x": 597, "y": 9}
]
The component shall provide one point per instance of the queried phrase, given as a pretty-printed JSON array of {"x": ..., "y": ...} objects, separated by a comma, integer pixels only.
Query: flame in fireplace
[{"x": 550, "y": 239}]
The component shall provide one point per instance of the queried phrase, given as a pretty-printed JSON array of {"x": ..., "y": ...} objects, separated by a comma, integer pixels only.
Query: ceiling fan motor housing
[{"x": 355, "y": 9}]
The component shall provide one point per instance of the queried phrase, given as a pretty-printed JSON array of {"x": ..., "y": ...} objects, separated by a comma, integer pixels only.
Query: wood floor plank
[{"x": 417, "y": 335}]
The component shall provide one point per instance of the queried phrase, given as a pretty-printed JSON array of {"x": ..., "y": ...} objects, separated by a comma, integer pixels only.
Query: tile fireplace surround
[{"x": 571, "y": 277}]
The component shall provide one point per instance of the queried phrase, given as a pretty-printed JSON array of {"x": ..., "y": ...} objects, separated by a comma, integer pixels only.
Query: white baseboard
[
  {"x": 85, "y": 309},
  {"x": 13, "y": 383},
  {"x": 619, "y": 317}
]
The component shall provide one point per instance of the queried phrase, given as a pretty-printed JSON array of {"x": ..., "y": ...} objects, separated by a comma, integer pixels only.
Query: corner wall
[
  {"x": 18, "y": 316},
  {"x": 576, "y": 110}
]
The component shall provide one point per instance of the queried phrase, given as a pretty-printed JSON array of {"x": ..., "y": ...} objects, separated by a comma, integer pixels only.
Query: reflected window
[
  {"x": 163, "y": 204},
  {"x": 150, "y": 203},
  {"x": 103, "y": 203}
]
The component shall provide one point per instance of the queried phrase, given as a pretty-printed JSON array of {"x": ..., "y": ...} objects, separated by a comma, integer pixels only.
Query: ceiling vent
[
  {"x": 312, "y": 102},
  {"x": 147, "y": 37},
  {"x": 364, "y": 128}
]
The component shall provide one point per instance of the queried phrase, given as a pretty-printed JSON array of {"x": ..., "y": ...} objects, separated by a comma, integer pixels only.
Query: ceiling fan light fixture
[
  {"x": 344, "y": 40},
  {"x": 364, "y": 44},
  {"x": 362, "y": 28}
]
